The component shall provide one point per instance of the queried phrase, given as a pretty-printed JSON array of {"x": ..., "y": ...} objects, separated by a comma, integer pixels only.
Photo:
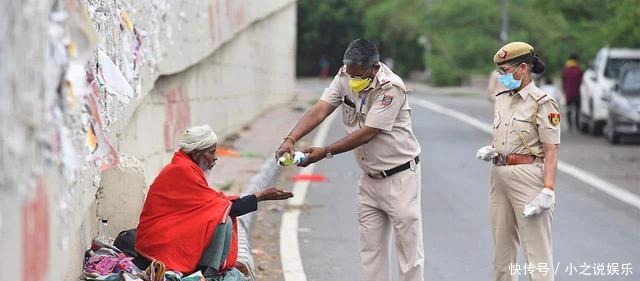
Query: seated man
[{"x": 185, "y": 223}]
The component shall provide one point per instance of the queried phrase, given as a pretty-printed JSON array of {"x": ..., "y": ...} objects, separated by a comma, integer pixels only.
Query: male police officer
[{"x": 376, "y": 115}]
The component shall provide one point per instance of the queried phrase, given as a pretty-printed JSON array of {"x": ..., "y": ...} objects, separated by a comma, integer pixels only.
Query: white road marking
[
  {"x": 586, "y": 177},
  {"x": 289, "y": 246}
]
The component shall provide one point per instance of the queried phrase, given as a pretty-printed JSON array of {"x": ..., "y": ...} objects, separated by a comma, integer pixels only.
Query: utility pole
[
  {"x": 426, "y": 45},
  {"x": 504, "y": 31}
]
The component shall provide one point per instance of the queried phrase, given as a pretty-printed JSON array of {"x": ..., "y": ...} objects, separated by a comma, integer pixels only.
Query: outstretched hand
[{"x": 273, "y": 193}]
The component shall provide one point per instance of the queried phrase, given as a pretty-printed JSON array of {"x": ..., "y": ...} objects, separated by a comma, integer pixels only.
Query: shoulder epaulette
[
  {"x": 503, "y": 92},
  {"x": 386, "y": 85},
  {"x": 544, "y": 98}
]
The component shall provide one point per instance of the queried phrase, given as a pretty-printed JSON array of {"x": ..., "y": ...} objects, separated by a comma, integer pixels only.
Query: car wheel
[
  {"x": 583, "y": 119},
  {"x": 610, "y": 132},
  {"x": 612, "y": 136},
  {"x": 595, "y": 127},
  {"x": 598, "y": 128},
  {"x": 582, "y": 123}
]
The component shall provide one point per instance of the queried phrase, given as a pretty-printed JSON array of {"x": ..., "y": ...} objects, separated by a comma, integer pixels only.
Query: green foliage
[
  {"x": 622, "y": 29},
  {"x": 327, "y": 27},
  {"x": 396, "y": 25},
  {"x": 463, "y": 39},
  {"x": 463, "y": 34}
]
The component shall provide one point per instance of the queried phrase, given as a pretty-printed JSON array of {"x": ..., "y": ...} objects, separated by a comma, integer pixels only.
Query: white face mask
[{"x": 509, "y": 82}]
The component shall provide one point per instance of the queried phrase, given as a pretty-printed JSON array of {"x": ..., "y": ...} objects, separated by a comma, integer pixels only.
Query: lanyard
[{"x": 362, "y": 102}]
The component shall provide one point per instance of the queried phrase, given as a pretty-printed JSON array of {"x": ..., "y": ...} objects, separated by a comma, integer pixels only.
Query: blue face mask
[{"x": 509, "y": 82}]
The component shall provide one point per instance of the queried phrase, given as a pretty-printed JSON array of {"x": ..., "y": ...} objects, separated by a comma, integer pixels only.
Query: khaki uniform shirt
[
  {"x": 523, "y": 121},
  {"x": 382, "y": 105}
]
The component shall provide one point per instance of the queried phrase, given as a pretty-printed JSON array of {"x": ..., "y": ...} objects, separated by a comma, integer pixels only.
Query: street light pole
[{"x": 504, "y": 32}]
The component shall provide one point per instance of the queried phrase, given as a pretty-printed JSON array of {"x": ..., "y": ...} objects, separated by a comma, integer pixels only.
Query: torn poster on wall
[
  {"x": 104, "y": 154},
  {"x": 110, "y": 77}
]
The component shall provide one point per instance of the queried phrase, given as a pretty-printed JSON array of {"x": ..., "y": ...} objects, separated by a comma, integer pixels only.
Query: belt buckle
[
  {"x": 377, "y": 176},
  {"x": 413, "y": 165},
  {"x": 500, "y": 160}
]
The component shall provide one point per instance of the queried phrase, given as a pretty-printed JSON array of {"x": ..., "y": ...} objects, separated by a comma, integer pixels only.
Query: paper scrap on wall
[
  {"x": 112, "y": 78},
  {"x": 104, "y": 154}
]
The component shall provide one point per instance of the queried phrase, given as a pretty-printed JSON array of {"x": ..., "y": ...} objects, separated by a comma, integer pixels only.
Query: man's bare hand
[
  {"x": 273, "y": 193},
  {"x": 314, "y": 154},
  {"x": 285, "y": 146}
]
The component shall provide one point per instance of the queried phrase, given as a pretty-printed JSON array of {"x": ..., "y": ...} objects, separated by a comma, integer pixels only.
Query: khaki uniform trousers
[
  {"x": 512, "y": 187},
  {"x": 382, "y": 203}
]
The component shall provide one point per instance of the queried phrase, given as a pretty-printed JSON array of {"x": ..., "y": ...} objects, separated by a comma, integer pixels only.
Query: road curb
[{"x": 269, "y": 172}]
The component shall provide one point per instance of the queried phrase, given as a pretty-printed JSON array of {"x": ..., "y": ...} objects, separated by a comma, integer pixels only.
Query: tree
[
  {"x": 464, "y": 34},
  {"x": 327, "y": 27}
]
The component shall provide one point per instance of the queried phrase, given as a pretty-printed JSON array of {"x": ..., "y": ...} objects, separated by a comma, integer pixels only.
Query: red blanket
[{"x": 179, "y": 217}]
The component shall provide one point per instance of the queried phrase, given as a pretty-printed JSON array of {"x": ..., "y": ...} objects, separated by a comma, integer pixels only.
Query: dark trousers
[
  {"x": 216, "y": 253},
  {"x": 573, "y": 112}
]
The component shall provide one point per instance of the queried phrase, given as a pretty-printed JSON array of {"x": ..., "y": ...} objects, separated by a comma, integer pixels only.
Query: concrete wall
[{"x": 94, "y": 94}]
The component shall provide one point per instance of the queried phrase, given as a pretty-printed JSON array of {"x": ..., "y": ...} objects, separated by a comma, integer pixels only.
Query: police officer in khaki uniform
[
  {"x": 376, "y": 115},
  {"x": 526, "y": 135}
]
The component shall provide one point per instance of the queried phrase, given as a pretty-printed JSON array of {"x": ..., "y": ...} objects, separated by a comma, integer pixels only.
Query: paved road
[{"x": 589, "y": 227}]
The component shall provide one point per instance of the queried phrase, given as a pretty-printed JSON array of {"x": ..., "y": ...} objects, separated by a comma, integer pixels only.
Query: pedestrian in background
[
  {"x": 526, "y": 135},
  {"x": 571, "y": 79},
  {"x": 324, "y": 67},
  {"x": 376, "y": 115}
]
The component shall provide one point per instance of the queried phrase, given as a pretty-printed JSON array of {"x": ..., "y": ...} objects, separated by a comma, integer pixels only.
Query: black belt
[{"x": 392, "y": 171}]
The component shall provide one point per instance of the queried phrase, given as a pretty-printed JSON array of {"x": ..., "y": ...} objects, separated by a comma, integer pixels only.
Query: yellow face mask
[{"x": 359, "y": 84}]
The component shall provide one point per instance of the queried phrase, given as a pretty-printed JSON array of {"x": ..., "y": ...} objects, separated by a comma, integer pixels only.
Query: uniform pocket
[
  {"x": 349, "y": 115},
  {"x": 521, "y": 127},
  {"x": 529, "y": 176}
]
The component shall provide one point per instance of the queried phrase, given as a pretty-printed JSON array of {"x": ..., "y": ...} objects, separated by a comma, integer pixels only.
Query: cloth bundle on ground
[{"x": 104, "y": 262}]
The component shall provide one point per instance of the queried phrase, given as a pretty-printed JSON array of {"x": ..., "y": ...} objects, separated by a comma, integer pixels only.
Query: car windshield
[
  {"x": 630, "y": 83},
  {"x": 614, "y": 65}
]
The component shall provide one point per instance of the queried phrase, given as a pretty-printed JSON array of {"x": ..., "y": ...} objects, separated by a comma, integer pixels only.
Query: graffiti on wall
[
  {"x": 234, "y": 17},
  {"x": 178, "y": 116},
  {"x": 35, "y": 236}
]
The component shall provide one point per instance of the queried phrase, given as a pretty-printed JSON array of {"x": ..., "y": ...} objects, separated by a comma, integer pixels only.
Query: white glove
[
  {"x": 545, "y": 200},
  {"x": 486, "y": 153}
]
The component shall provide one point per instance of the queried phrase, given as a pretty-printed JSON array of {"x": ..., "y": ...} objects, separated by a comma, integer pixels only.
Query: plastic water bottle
[
  {"x": 287, "y": 159},
  {"x": 103, "y": 232},
  {"x": 299, "y": 157}
]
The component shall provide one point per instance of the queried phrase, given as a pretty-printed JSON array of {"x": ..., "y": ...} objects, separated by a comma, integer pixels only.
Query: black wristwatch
[{"x": 329, "y": 155}]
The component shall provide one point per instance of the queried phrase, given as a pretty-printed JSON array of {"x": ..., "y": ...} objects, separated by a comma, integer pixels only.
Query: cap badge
[{"x": 502, "y": 54}]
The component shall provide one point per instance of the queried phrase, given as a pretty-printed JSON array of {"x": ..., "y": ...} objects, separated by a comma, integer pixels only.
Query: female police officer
[{"x": 526, "y": 135}]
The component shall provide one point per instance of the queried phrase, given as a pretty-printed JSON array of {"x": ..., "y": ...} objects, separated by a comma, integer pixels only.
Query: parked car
[
  {"x": 624, "y": 105},
  {"x": 597, "y": 82}
]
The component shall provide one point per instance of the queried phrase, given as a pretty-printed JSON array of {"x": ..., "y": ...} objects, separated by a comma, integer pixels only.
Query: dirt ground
[{"x": 265, "y": 236}]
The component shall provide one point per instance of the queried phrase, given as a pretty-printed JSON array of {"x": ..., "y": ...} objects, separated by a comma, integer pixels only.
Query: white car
[{"x": 597, "y": 82}]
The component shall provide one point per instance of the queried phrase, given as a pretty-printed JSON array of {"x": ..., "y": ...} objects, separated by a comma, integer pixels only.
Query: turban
[{"x": 198, "y": 138}]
